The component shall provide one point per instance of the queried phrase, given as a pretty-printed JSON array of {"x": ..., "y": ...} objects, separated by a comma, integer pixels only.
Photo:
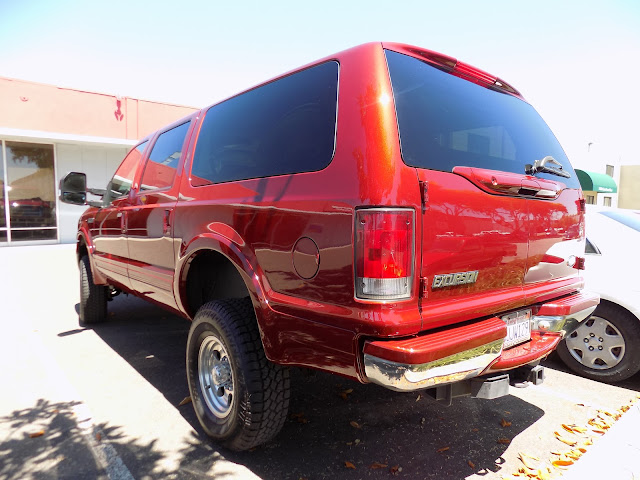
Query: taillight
[{"x": 384, "y": 253}]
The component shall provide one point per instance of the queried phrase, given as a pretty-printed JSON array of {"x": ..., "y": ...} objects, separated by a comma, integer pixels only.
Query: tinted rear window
[
  {"x": 286, "y": 126},
  {"x": 446, "y": 121}
]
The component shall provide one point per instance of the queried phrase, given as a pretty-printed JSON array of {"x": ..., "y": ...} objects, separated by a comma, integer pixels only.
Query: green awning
[{"x": 596, "y": 182}]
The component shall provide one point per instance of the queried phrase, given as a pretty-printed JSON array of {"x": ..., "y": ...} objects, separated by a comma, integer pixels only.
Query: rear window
[
  {"x": 286, "y": 126},
  {"x": 446, "y": 121}
]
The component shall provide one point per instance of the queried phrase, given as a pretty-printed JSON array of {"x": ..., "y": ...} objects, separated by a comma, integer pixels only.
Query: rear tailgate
[
  {"x": 474, "y": 250},
  {"x": 500, "y": 231}
]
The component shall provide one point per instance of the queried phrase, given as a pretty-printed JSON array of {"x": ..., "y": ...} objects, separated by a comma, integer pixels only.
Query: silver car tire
[{"x": 605, "y": 346}]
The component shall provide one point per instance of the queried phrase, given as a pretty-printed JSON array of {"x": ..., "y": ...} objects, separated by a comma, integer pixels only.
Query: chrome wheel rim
[
  {"x": 215, "y": 376},
  {"x": 597, "y": 344}
]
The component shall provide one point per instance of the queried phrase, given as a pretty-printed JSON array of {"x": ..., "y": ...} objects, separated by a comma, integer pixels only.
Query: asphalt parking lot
[{"x": 105, "y": 402}]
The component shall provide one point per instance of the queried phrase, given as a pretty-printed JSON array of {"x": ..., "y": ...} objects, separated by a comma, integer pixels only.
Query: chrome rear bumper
[
  {"x": 550, "y": 322},
  {"x": 454, "y": 368}
]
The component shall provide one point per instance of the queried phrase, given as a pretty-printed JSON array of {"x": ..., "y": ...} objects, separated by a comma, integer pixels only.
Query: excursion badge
[{"x": 452, "y": 279}]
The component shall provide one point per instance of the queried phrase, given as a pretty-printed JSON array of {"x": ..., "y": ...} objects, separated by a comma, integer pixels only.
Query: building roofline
[
  {"x": 81, "y": 90},
  {"x": 38, "y": 135}
]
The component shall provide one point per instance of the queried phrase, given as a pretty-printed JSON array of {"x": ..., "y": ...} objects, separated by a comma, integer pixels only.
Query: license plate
[{"x": 518, "y": 328}]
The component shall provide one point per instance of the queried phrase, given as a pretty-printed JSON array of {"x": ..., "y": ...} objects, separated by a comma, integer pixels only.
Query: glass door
[{"x": 28, "y": 193}]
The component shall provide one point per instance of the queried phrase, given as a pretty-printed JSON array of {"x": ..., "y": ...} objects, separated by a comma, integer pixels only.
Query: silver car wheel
[
  {"x": 597, "y": 344},
  {"x": 215, "y": 376}
]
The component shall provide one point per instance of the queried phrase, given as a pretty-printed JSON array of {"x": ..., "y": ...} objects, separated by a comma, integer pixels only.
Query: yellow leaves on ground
[
  {"x": 561, "y": 463},
  {"x": 471, "y": 464},
  {"x": 355, "y": 424},
  {"x": 539, "y": 474},
  {"x": 345, "y": 393},
  {"x": 299, "y": 417},
  {"x": 378, "y": 465},
  {"x": 184, "y": 401},
  {"x": 349, "y": 465},
  {"x": 527, "y": 460},
  {"x": 571, "y": 443},
  {"x": 37, "y": 434},
  {"x": 443, "y": 449},
  {"x": 395, "y": 470},
  {"x": 572, "y": 435}
]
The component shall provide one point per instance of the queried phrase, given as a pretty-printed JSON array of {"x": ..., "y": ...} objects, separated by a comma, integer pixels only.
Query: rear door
[{"x": 486, "y": 223}]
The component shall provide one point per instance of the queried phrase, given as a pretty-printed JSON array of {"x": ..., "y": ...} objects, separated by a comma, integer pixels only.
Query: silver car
[{"x": 607, "y": 346}]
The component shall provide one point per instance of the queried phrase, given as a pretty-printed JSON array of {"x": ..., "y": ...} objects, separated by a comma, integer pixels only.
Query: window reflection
[
  {"x": 123, "y": 178},
  {"x": 3, "y": 218}
]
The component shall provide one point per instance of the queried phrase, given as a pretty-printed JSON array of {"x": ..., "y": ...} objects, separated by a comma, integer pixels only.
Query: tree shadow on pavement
[
  {"x": 55, "y": 440},
  {"x": 332, "y": 420},
  {"x": 58, "y": 441}
]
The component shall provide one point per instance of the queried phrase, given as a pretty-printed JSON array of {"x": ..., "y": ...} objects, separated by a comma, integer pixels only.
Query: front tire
[
  {"x": 240, "y": 398},
  {"x": 93, "y": 298},
  {"x": 605, "y": 346}
]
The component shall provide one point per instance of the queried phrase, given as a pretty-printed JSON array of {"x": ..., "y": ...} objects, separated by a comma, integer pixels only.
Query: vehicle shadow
[
  {"x": 336, "y": 427},
  {"x": 554, "y": 362}
]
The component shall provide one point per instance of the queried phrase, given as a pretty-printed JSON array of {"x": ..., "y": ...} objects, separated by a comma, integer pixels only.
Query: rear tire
[
  {"x": 93, "y": 298},
  {"x": 605, "y": 346},
  {"x": 241, "y": 399}
]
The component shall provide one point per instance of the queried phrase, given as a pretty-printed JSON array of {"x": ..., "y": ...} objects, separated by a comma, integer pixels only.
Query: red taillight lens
[{"x": 384, "y": 253}]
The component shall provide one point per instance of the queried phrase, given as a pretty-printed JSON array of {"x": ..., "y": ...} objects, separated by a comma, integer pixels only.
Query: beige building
[
  {"x": 47, "y": 131},
  {"x": 598, "y": 188},
  {"x": 629, "y": 187}
]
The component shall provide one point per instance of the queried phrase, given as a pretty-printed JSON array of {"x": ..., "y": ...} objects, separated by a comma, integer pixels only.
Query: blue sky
[{"x": 577, "y": 62}]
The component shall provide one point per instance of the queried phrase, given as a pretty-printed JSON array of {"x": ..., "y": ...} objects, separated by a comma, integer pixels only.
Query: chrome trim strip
[
  {"x": 563, "y": 324},
  {"x": 454, "y": 368}
]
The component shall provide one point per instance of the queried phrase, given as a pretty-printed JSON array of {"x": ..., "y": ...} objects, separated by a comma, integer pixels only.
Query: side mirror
[{"x": 73, "y": 188}]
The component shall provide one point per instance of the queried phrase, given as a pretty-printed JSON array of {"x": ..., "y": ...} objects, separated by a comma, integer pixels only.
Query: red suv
[{"x": 388, "y": 214}]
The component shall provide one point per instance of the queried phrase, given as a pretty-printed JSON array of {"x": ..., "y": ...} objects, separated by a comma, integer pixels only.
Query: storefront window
[{"x": 30, "y": 191}]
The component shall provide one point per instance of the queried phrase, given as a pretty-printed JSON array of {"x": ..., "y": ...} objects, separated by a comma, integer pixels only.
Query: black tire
[
  {"x": 93, "y": 298},
  {"x": 241, "y": 399},
  {"x": 615, "y": 330}
]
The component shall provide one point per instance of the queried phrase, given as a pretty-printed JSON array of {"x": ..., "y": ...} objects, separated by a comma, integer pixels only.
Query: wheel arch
[
  {"x": 212, "y": 267},
  {"x": 618, "y": 304},
  {"x": 85, "y": 247}
]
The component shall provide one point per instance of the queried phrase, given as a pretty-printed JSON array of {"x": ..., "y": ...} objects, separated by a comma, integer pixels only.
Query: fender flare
[{"x": 245, "y": 262}]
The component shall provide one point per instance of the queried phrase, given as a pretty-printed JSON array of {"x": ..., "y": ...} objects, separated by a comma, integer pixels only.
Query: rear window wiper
[{"x": 542, "y": 166}]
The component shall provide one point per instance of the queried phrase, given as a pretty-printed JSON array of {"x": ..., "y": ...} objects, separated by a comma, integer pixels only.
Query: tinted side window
[
  {"x": 287, "y": 126},
  {"x": 446, "y": 121},
  {"x": 163, "y": 159},
  {"x": 123, "y": 178}
]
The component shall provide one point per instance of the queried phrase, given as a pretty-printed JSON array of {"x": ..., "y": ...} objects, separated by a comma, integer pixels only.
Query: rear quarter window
[
  {"x": 284, "y": 127},
  {"x": 446, "y": 121}
]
